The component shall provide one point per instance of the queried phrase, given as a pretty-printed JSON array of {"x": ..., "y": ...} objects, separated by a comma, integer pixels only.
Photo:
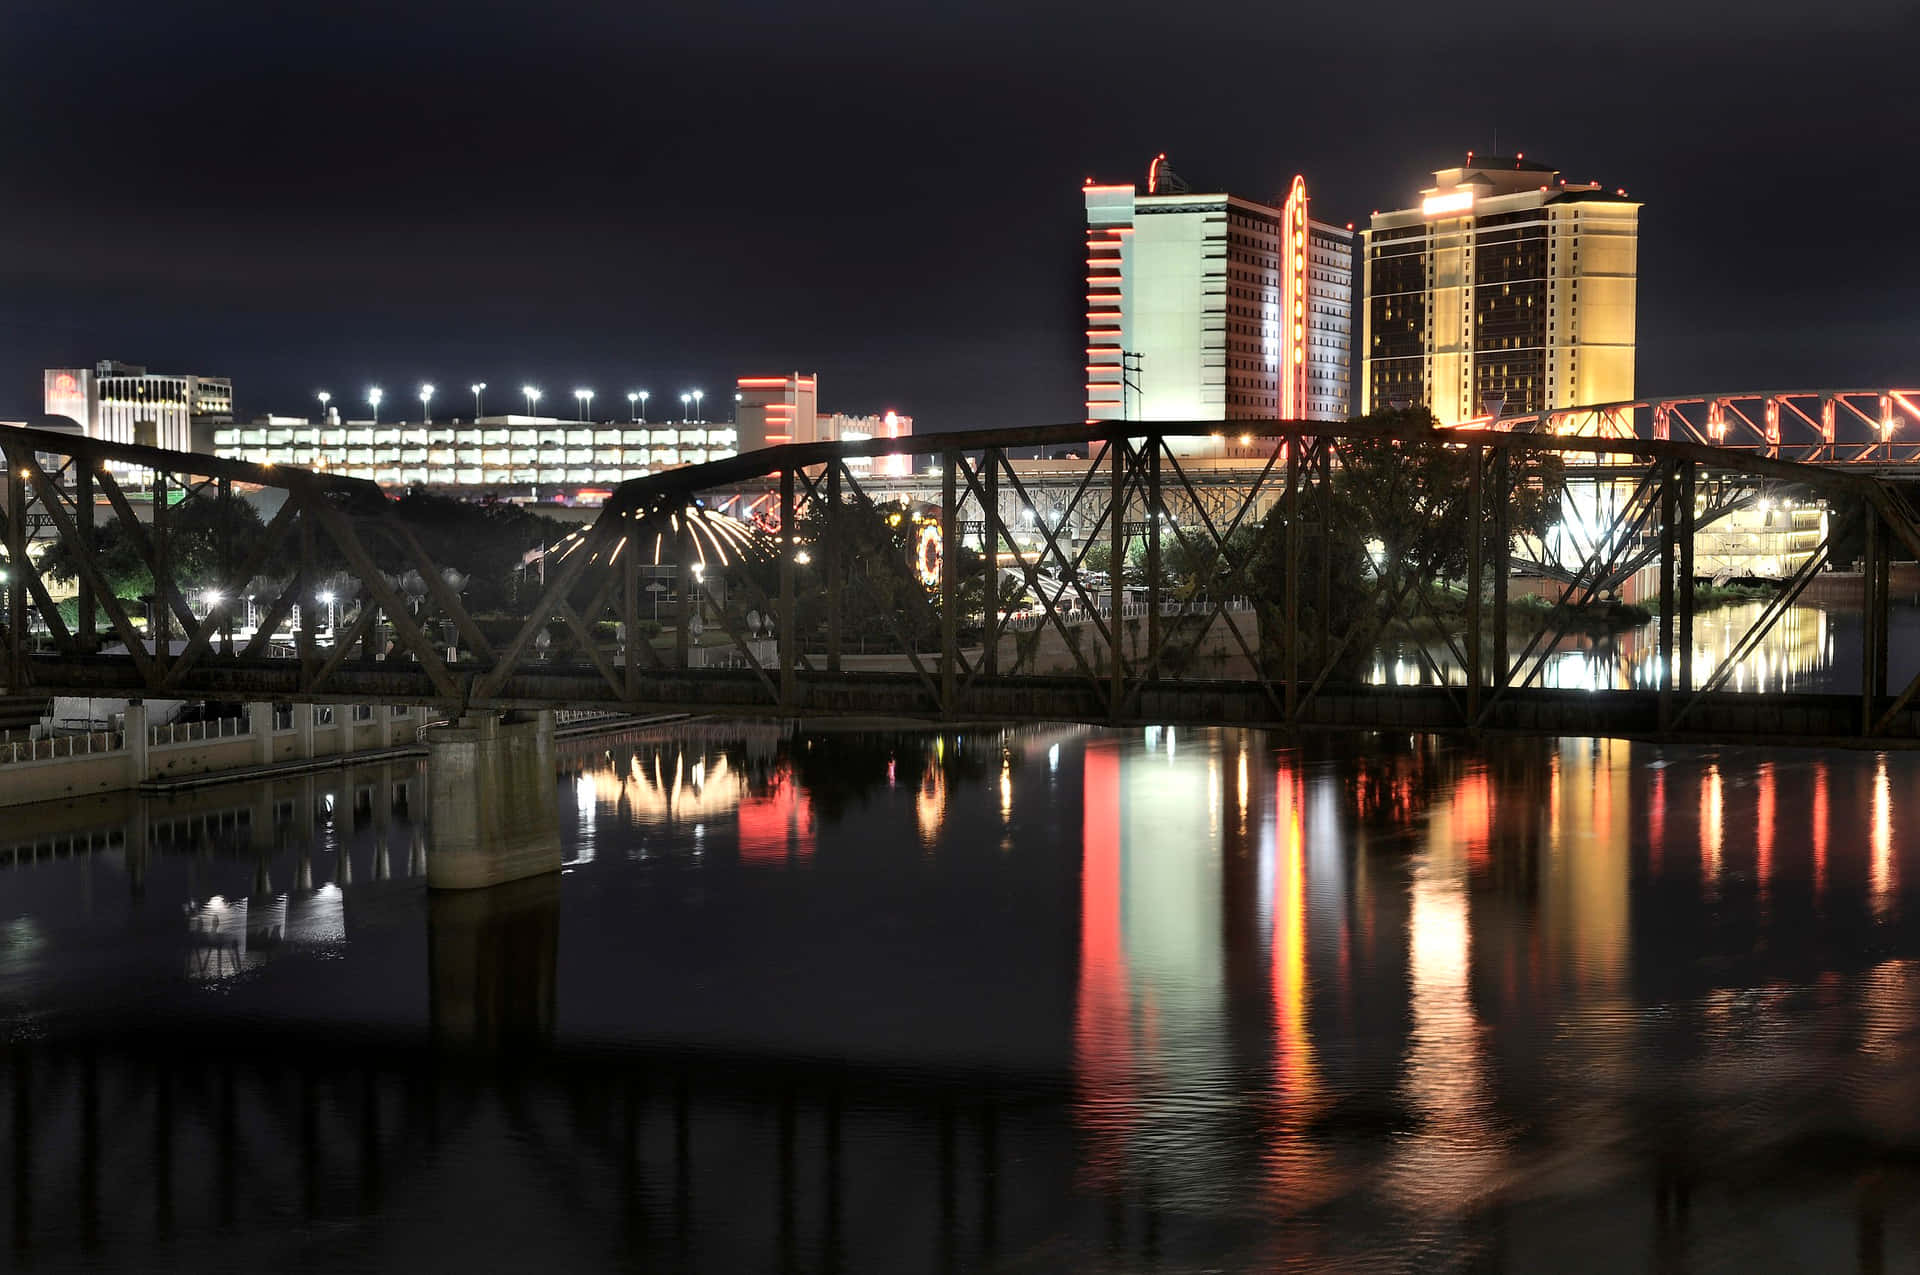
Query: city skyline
[{"x": 570, "y": 233}]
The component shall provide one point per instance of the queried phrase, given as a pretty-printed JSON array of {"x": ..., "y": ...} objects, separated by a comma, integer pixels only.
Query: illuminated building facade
[
  {"x": 848, "y": 429},
  {"x": 1507, "y": 290},
  {"x": 771, "y": 411},
  {"x": 1210, "y": 307},
  {"x": 492, "y": 452},
  {"x": 125, "y": 403},
  {"x": 545, "y": 452}
]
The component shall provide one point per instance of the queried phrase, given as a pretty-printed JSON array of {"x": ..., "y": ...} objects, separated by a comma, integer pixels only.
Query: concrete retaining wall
[{"x": 142, "y": 759}]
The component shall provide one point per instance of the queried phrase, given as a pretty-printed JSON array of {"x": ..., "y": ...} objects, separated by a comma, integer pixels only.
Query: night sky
[{"x": 304, "y": 195}]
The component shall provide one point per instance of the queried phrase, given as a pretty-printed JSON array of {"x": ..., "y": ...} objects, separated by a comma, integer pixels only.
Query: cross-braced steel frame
[
  {"x": 1133, "y": 596},
  {"x": 1872, "y": 427}
]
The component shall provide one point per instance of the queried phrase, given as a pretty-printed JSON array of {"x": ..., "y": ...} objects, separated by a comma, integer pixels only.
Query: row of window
[{"x": 435, "y": 436}]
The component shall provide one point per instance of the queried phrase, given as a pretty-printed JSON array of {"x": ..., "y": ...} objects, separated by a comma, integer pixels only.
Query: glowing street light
[
  {"x": 324, "y": 398},
  {"x": 633, "y": 404},
  {"x": 697, "y": 396},
  {"x": 374, "y": 396},
  {"x": 586, "y": 399},
  {"x": 533, "y": 396},
  {"x": 426, "y": 404},
  {"x": 478, "y": 386},
  {"x": 686, "y": 408},
  {"x": 333, "y": 617},
  {"x": 643, "y": 407}
]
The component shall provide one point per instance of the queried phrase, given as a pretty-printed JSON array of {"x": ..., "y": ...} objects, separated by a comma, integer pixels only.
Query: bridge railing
[
  {"x": 61, "y": 747},
  {"x": 1370, "y": 573},
  {"x": 172, "y": 733}
]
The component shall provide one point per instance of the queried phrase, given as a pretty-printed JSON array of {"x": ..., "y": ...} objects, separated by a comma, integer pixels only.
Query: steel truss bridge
[
  {"x": 1239, "y": 610},
  {"x": 1867, "y": 427}
]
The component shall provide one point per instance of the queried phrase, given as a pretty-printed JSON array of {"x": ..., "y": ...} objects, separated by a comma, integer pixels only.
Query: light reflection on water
[
  {"x": 1808, "y": 648},
  {"x": 1039, "y": 999}
]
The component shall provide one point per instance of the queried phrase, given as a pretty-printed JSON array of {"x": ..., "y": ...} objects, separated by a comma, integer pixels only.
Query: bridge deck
[{"x": 1802, "y": 718}]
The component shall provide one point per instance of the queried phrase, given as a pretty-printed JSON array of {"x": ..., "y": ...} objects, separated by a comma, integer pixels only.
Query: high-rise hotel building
[
  {"x": 1210, "y": 307},
  {"x": 1507, "y": 290}
]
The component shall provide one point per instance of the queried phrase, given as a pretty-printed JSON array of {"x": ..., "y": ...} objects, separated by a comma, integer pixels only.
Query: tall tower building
[
  {"x": 1506, "y": 290},
  {"x": 1210, "y": 307},
  {"x": 773, "y": 410}
]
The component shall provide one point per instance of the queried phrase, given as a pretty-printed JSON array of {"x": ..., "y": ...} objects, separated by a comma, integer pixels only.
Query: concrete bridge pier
[{"x": 491, "y": 805}]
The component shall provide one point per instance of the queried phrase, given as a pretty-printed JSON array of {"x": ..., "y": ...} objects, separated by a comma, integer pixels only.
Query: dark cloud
[{"x": 303, "y": 194}]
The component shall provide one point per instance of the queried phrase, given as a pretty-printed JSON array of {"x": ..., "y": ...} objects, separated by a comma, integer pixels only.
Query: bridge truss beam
[{"x": 1142, "y": 591}]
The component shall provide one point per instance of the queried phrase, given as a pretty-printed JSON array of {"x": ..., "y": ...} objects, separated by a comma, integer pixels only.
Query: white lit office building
[
  {"x": 125, "y": 403},
  {"x": 493, "y": 452},
  {"x": 1211, "y": 307}
]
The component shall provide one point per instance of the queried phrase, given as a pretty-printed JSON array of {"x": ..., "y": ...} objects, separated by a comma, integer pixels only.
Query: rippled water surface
[{"x": 1039, "y": 1000}]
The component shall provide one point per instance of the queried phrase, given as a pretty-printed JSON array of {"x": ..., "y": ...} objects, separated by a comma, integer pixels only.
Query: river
[{"x": 1031, "y": 1000}]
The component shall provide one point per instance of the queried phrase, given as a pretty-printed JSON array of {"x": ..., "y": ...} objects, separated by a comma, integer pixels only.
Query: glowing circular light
[{"x": 927, "y": 554}]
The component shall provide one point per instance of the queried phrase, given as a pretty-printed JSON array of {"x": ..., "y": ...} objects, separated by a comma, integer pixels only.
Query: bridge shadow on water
[{"x": 1013, "y": 1000}]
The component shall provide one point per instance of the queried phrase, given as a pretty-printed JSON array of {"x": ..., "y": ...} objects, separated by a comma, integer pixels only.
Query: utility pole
[{"x": 1130, "y": 364}]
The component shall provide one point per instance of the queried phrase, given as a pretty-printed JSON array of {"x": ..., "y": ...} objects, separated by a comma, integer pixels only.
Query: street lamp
[
  {"x": 633, "y": 405},
  {"x": 686, "y": 409},
  {"x": 324, "y": 398},
  {"x": 643, "y": 407},
  {"x": 478, "y": 386},
  {"x": 586, "y": 400},
  {"x": 374, "y": 396},
  {"x": 426, "y": 404},
  {"x": 697, "y": 396},
  {"x": 533, "y": 396},
  {"x": 333, "y": 618}
]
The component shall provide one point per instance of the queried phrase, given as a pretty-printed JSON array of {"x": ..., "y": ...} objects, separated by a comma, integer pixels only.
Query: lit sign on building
[
  {"x": 926, "y": 554},
  {"x": 1458, "y": 201},
  {"x": 1293, "y": 294},
  {"x": 66, "y": 395}
]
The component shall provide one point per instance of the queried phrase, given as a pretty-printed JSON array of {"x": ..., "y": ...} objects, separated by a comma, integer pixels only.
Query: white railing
[
  {"x": 61, "y": 747},
  {"x": 568, "y": 716},
  {"x": 196, "y": 732}
]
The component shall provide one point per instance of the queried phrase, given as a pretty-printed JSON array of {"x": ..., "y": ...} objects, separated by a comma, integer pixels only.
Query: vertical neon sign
[{"x": 1293, "y": 302}]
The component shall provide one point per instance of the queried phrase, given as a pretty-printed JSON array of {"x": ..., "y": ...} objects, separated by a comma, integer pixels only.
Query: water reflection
[
  {"x": 983, "y": 999},
  {"x": 1810, "y": 647}
]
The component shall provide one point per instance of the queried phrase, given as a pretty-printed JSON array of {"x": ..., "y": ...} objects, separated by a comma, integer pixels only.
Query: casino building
[
  {"x": 1507, "y": 289},
  {"x": 1213, "y": 307},
  {"x": 125, "y": 403}
]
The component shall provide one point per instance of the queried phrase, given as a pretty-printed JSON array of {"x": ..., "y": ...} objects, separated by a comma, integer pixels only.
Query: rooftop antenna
[{"x": 1162, "y": 180}]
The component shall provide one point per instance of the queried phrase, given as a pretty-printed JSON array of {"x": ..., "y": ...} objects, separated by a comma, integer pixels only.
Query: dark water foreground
[{"x": 1037, "y": 1001}]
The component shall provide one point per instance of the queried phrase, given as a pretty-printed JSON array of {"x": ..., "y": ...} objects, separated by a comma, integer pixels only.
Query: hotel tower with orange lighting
[
  {"x": 1507, "y": 289},
  {"x": 1210, "y": 307}
]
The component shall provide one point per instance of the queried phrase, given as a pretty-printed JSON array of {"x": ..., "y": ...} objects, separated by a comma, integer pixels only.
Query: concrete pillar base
[
  {"x": 493, "y": 962},
  {"x": 492, "y": 811}
]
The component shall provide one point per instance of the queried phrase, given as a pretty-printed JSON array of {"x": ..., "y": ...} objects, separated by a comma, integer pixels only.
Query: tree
[
  {"x": 485, "y": 541},
  {"x": 1400, "y": 522},
  {"x": 204, "y": 533}
]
